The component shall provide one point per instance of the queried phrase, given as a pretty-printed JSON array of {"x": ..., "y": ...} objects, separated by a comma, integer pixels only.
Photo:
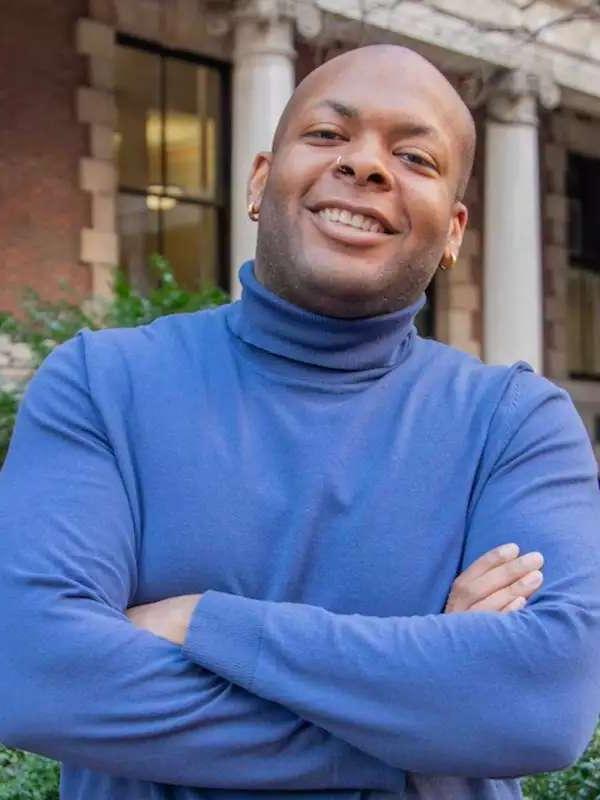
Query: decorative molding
[
  {"x": 97, "y": 175},
  {"x": 94, "y": 38},
  {"x": 97, "y": 108},
  {"x": 457, "y": 42},
  {"x": 309, "y": 19},
  {"x": 99, "y": 247},
  {"x": 512, "y": 96},
  {"x": 222, "y": 16},
  {"x": 102, "y": 142}
]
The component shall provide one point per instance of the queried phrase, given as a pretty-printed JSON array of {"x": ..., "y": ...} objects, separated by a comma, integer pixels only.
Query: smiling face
[{"x": 359, "y": 199}]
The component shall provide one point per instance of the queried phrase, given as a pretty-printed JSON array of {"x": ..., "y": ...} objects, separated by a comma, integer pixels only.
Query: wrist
[{"x": 185, "y": 609}]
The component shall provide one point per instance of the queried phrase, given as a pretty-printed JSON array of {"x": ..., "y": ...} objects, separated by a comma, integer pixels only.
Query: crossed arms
[{"x": 463, "y": 694}]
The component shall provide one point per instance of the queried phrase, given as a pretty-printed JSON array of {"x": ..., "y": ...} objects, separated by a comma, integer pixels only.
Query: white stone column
[
  {"x": 512, "y": 285},
  {"x": 263, "y": 80}
]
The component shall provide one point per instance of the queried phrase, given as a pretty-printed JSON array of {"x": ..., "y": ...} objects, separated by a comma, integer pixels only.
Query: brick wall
[
  {"x": 459, "y": 299},
  {"x": 42, "y": 209}
]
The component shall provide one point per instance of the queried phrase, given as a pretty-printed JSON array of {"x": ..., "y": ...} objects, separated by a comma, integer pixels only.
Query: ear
[
  {"x": 456, "y": 229},
  {"x": 257, "y": 181}
]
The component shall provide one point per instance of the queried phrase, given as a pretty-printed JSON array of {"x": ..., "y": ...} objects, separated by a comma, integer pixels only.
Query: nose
[{"x": 364, "y": 166}]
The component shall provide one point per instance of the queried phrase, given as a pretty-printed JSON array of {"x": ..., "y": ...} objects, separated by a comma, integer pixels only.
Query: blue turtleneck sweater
[{"x": 322, "y": 482}]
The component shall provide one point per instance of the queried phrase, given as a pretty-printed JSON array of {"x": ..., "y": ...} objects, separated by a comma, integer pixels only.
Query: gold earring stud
[
  {"x": 444, "y": 262},
  {"x": 252, "y": 212}
]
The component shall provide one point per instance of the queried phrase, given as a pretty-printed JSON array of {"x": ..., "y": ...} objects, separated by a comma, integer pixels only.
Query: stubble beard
[{"x": 280, "y": 266}]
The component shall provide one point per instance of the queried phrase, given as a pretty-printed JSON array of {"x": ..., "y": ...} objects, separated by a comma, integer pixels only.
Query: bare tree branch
[
  {"x": 337, "y": 32},
  {"x": 590, "y": 11}
]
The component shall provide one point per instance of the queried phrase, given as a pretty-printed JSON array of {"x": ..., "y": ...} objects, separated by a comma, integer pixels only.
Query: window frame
[
  {"x": 580, "y": 262},
  {"x": 222, "y": 205},
  {"x": 586, "y": 261},
  {"x": 428, "y": 313}
]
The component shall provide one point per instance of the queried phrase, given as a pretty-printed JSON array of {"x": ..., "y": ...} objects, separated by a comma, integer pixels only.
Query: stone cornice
[{"x": 417, "y": 22}]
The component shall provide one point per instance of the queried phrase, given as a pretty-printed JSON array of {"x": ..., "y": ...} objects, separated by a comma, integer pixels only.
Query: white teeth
[{"x": 341, "y": 215}]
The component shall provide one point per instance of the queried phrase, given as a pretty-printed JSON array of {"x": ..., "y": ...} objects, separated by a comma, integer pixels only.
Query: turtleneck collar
[{"x": 266, "y": 321}]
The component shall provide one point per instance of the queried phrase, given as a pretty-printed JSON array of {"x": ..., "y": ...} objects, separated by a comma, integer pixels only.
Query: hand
[
  {"x": 498, "y": 581},
  {"x": 168, "y": 618}
]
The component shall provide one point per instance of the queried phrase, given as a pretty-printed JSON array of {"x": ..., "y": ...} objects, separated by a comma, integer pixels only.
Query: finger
[
  {"x": 524, "y": 587},
  {"x": 504, "y": 576},
  {"x": 491, "y": 559},
  {"x": 515, "y": 605}
]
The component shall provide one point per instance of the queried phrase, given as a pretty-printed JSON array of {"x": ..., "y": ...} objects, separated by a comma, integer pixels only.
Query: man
[{"x": 228, "y": 538}]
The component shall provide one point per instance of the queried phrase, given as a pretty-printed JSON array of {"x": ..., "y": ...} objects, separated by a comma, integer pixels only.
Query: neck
[
  {"x": 319, "y": 301},
  {"x": 271, "y": 323}
]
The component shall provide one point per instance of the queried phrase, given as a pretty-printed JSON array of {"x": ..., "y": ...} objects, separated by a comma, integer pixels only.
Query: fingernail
[
  {"x": 533, "y": 578},
  {"x": 533, "y": 560},
  {"x": 509, "y": 550}
]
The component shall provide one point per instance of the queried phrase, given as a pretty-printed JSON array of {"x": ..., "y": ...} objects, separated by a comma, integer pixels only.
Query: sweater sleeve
[
  {"x": 78, "y": 681},
  {"x": 466, "y": 694}
]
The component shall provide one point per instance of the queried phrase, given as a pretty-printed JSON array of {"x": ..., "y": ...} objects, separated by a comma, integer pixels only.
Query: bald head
[
  {"x": 409, "y": 66},
  {"x": 359, "y": 199}
]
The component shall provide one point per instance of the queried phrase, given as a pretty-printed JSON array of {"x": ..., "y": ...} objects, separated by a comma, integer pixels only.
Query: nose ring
[{"x": 343, "y": 168}]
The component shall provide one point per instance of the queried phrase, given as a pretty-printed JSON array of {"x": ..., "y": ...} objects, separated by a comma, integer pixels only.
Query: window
[
  {"x": 425, "y": 319},
  {"x": 583, "y": 331},
  {"x": 172, "y": 145}
]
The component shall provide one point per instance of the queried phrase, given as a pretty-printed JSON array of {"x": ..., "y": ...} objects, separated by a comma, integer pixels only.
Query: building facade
[{"x": 129, "y": 127}]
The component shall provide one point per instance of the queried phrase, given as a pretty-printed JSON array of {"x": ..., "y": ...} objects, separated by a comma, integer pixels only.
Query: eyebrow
[
  {"x": 408, "y": 127},
  {"x": 340, "y": 108}
]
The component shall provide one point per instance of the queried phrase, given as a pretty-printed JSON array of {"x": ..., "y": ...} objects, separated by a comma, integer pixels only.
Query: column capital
[
  {"x": 223, "y": 15},
  {"x": 264, "y": 10},
  {"x": 513, "y": 96}
]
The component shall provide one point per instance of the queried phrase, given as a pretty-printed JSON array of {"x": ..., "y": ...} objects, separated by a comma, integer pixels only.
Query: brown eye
[
  {"x": 324, "y": 134},
  {"x": 419, "y": 161}
]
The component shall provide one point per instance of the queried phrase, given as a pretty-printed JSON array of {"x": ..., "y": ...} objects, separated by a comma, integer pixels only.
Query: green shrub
[
  {"x": 580, "y": 782},
  {"x": 27, "y": 777},
  {"x": 9, "y": 401},
  {"x": 24, "y": 776}
]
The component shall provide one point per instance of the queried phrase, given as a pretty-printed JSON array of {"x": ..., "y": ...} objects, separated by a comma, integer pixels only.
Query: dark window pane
[
  {"x": 139, "y": 118},
  {"x": 192, "y": 129},
  {"x": 425, "y": 319},
  {"x": 190, "y": 243},
  {"x": 138, "y": 238},
  {"x": 583, "y": 313},
  {"x": 583, "y": 188},
  {"x": 583, "y": 323}
]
